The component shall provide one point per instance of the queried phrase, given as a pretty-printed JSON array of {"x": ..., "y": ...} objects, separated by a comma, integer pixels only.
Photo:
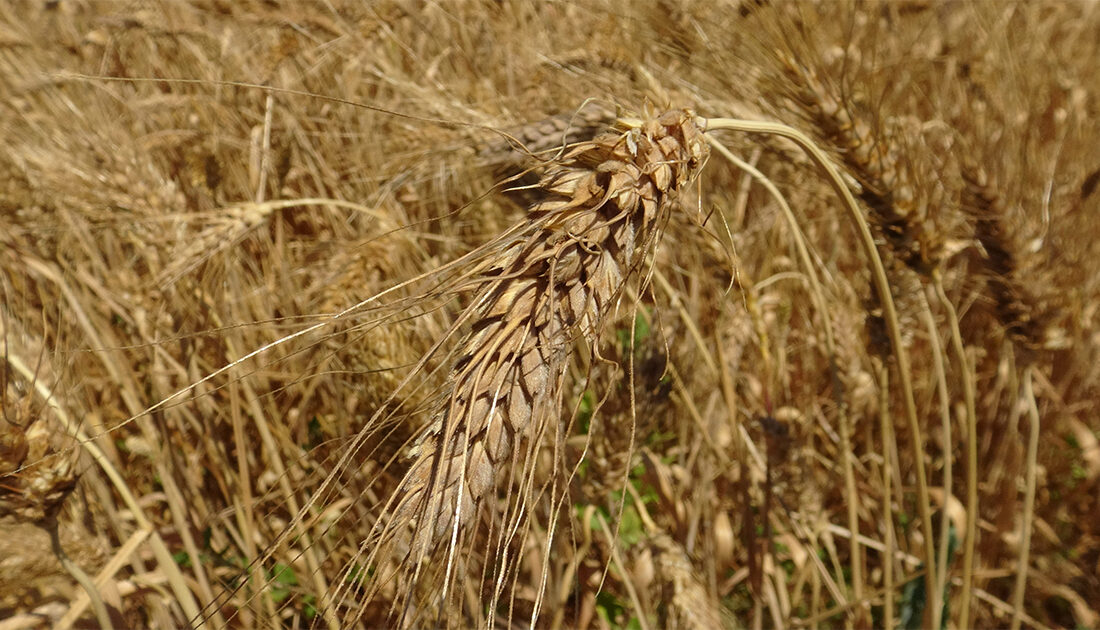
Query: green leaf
[
  {"x": 610, "y": 609},
  {"x": 310, "y": 607},
  {"x": 183, "y": 559},
  {"x": 283, "y": 574},
  {"x": 641, "y": 332},
  {"x": 585, "y": 410}
]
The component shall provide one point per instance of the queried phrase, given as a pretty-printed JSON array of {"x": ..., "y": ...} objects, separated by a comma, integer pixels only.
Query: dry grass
[{"x": 420, "y": 336}]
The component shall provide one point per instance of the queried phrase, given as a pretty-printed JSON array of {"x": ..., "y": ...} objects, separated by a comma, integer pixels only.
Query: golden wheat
[
  {"x": 154, "y": 227},
  {"x": 603, "y": 208}
]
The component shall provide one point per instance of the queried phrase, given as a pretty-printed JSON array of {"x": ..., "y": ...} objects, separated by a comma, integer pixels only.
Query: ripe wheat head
[{"x": 601, "y": 211}]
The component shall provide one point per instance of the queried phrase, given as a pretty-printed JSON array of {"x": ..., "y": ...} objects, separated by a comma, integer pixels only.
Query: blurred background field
[{"x": 160, "y": 220}]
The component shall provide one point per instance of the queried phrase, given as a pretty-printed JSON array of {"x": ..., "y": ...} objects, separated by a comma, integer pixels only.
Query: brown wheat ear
[
  {"x": 1015, "y": 306},
  {"x": 886, "y": 182},
  {"x": 603, "y": 206}
]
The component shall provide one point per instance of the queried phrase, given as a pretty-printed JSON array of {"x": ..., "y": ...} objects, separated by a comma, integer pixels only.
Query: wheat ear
[
  {"x": 1014, "y": 305},
  {"x": 886, "y": 182},
  {"x": 603, "y": 206}
]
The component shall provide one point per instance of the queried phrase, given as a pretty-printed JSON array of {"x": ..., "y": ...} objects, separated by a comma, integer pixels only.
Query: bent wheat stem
[
  {"x": 882, "y": 286},
  {"x": 818, "y": 297}
]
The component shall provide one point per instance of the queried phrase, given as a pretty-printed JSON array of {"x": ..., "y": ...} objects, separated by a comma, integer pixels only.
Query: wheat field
[{"x": 595, "y": 314}]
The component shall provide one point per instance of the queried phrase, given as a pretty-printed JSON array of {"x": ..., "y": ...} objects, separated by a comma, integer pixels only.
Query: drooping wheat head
[{"x": 551, "y": 285}]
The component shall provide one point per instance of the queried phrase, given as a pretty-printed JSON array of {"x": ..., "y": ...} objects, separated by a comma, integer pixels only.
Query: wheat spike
[
  {"x": 603, "y": 206},
  {"x": 886, "y": 184},
  {"x": 551, "y": 134},
  {"x": 1015, "y": 305},
  {"x": 36, "y": 474}
]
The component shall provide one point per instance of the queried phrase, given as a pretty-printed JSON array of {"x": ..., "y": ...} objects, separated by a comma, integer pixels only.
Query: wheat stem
[
  {"x": 971, "y": 451},
  {"x": 818, "y": 297},
  {"x": 1029, "y": 499},
  {"x": 938, "y": 362},
  {"x": 82, "y": 578},
  {"x": 882, "y": 286},
  {"x": 886, "y": 427}
]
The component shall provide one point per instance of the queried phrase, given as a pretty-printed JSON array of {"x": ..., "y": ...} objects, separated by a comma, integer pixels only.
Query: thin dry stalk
[
  {"x": 882, "y": 286},
  {"x": 1026, "y": 520},
  {"x": 616, "y": 559},
  {"x": 938, "y": 362},
  {"x": 888, "y": 443},
  {"x": 82, "y": 578},
  {"x": 125, "y": 551},
  {"x": 604, "y": 207},
  {"x": 965, "y": 365}
]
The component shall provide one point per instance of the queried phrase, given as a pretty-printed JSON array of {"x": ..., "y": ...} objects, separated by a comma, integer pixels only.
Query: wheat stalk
[{"x": 603, "y": 207}]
